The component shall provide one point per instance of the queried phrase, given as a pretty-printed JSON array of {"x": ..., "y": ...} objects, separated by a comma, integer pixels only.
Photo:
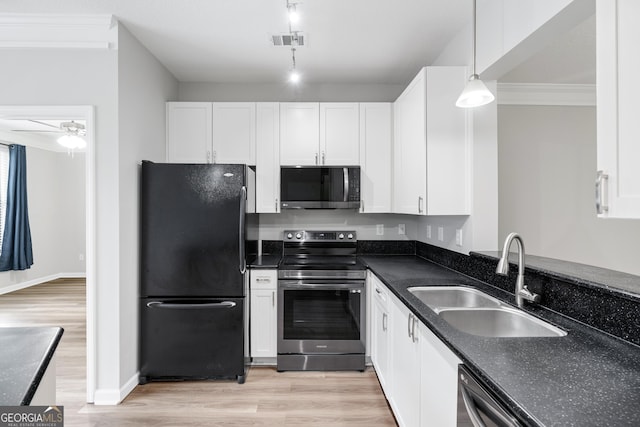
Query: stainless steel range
[{"x": 321, "y": 302}]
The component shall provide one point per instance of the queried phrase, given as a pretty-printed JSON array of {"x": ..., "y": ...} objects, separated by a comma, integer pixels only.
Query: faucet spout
[{"x": 522, "y": 292}]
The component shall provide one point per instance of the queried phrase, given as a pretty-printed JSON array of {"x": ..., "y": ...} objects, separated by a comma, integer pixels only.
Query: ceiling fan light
[
  {"x": 475, "y": 94},
  {"x": 72, "y": 142}
]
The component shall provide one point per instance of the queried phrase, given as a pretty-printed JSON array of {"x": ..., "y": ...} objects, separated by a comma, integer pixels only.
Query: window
[{"x": 4, "y": 177}]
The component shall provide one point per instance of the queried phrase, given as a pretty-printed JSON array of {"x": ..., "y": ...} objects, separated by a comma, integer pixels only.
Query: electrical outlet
[
  {"x": 401, "y": 229},
  {"x": 459, "y": 237},
  {"x": 441, "y": 234},
  {"x": 379, "y": 229},
  {"x": 428, "y": 231}
]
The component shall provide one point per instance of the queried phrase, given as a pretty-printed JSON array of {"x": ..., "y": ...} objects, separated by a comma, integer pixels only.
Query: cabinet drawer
[{"x": 264, "y": 279}]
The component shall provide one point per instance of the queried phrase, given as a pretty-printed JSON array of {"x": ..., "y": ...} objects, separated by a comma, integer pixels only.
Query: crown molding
[
  {"x": 57, "y": 31},
  {"x": 583, "y": 95}
]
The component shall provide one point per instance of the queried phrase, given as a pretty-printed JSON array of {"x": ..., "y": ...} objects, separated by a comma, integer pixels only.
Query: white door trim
[{"x": 87, "y": 113}]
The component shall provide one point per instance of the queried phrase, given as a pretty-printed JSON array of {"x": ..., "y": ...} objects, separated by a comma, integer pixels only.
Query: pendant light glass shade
[{"x": 475, "y": 94}]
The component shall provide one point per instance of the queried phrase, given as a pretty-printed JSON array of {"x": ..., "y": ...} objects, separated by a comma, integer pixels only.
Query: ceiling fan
[{"x": 72, "y": 132}]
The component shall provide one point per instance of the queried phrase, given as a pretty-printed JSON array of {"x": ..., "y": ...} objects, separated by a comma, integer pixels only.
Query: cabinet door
[
  {"x": 380, "y": 333},
  {"x": 405, "y": 365},
  {"x": 339, "y": 133},
  {"x": 375, "y": 156},
  {"x": 409, "y": 149},
  {"x": 439, "y": 381},
  {"x": 618, "y": 127},
  {"x": 263, "y": 323},
  {"x": 299, "y": 133},
  {"x": 189, "y": 132},
  {"x": 234, "y": 132},
  {"x": 448, "y": 143},
  {"x": 267, "y": 157},
  {"x": 263, "y": 313}
]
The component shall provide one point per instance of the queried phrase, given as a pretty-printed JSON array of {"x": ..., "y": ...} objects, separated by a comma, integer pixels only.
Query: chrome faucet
[{"x": 522, "y": 292}]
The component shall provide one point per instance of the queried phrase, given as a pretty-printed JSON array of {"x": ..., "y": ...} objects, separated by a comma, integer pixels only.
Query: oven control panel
[{"x": 319, "y": 236}]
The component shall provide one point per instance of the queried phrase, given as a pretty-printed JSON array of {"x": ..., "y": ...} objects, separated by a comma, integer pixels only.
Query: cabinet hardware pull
[
  {"x": 208, "y": 156},
  {"x": 601, "y": 207},
  {"x": 420, "y": 204},
  {"x": 384, "y": 322},
  {"x": 316, "y": 158},
  {"x": 413, "y": 330},
  {"x": 276, "y": 205},
  {"x": 273, "y": 299},
  {"x": 323, "y": 157},
  {"x": 214, "y": 156},
  {"x": 409, "y": 322}
]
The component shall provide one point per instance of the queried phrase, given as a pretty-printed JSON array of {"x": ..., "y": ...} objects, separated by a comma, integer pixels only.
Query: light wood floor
[{"x": 268, "y": 398}]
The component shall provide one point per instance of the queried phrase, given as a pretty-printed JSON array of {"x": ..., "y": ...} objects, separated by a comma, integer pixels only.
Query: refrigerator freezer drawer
[{"x": 187, "y": 338}]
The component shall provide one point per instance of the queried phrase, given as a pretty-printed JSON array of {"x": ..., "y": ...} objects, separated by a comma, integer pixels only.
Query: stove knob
[
  {"x": 340, "y": 236},
  {"x": 298, "y": 235},
  {"x": 349, "y": 236},
  {"x": 289, "y": 236}
]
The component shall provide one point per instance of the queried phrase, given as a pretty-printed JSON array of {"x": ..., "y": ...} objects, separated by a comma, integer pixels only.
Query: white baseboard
[
  {"x": 113, "y": 396},
  {"x": 39, "y": 280}
]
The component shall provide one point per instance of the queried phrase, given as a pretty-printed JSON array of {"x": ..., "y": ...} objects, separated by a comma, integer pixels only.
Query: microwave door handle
[{"x": 346, "y": 184}]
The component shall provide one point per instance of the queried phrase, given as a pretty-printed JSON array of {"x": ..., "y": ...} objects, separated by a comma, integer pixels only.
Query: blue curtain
[{"x": 16, "y": 244}]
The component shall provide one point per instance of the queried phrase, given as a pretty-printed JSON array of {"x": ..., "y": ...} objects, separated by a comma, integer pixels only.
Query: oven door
[{"x": 321, "y": 317}]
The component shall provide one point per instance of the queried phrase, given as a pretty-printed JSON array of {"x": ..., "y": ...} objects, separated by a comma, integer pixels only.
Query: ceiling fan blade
[
  {"x": 44, "y": 124},
  {"x": 36, "y": 131}
]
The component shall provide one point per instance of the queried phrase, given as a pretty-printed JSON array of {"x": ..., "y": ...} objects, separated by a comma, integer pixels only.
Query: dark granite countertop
[
  {"x": 25, "y": 356},
  {"x": 263, "y": 261},
  {"x": 587, "y": 378},
  {"x": 614, "y": 281}
]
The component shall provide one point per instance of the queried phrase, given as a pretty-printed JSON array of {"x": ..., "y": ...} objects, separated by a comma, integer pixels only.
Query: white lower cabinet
[
  {"x": 263, "y": 313},
  {"x": 417, "y": 371},
  {"x": 438, "y": 381},
  {"x": 405, "y": 365},
  {"x": 379, "y": 322}
]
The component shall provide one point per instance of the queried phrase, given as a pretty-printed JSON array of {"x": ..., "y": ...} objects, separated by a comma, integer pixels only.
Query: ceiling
[{"x": 347, "y": 41}]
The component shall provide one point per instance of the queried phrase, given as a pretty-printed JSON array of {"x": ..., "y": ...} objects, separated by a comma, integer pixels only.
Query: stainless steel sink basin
[
  {"x": 438, "y": 298},
  {"x": 499, "y": 322}
]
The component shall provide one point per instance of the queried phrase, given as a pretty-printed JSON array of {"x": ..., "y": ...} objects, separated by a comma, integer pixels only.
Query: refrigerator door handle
[
  {"x": 191, "y": 305},
  {"x": 243, "y": 201}
]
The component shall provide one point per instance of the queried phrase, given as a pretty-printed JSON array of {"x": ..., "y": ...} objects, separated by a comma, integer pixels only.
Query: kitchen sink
[
  {"x": 438, "y": 298},
  {"x": 499, "y": 322}
]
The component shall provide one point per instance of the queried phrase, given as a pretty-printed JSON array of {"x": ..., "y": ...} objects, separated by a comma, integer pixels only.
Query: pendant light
[
  {"x": 475, "y": 93},
  {"x": 294, "y": 76}
]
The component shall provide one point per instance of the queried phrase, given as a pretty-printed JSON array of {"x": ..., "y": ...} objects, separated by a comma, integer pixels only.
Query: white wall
[
  {"x": 285, "y": 92},
  {"x": 547, "y": 166},
  {"x": 55, "y": 195},
  {"x": 144, "y": 85}
]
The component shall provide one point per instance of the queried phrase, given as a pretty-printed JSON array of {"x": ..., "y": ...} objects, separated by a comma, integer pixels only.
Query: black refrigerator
[{"x": 192, "y": 285}]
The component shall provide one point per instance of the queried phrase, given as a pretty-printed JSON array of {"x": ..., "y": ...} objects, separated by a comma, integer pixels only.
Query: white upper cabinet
[
  {"x": 313, "y": 133},
  {"x": 267, "y": 157},
  {"x": 431, "y": 148},
  {"x": 205, "y": 132},
  {"x": 234, "y": 132},
  {"x": 189, "y": 132},
  {"x": 376, "y": 137},
  {"x": 299, "y": 133},
  {"x": 618, "y": 127},
  {"x": 339, "y": 133}
]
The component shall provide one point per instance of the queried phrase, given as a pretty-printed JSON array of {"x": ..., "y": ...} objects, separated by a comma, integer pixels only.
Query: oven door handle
[{"x": 313, "y": 286}]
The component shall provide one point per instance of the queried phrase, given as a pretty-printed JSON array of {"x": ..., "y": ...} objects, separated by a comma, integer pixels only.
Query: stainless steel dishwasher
[{"x": 476, "y": 406}]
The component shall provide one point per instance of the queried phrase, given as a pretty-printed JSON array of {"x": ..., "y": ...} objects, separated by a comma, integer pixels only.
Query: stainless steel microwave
[{"x": 320, "y": 187}]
